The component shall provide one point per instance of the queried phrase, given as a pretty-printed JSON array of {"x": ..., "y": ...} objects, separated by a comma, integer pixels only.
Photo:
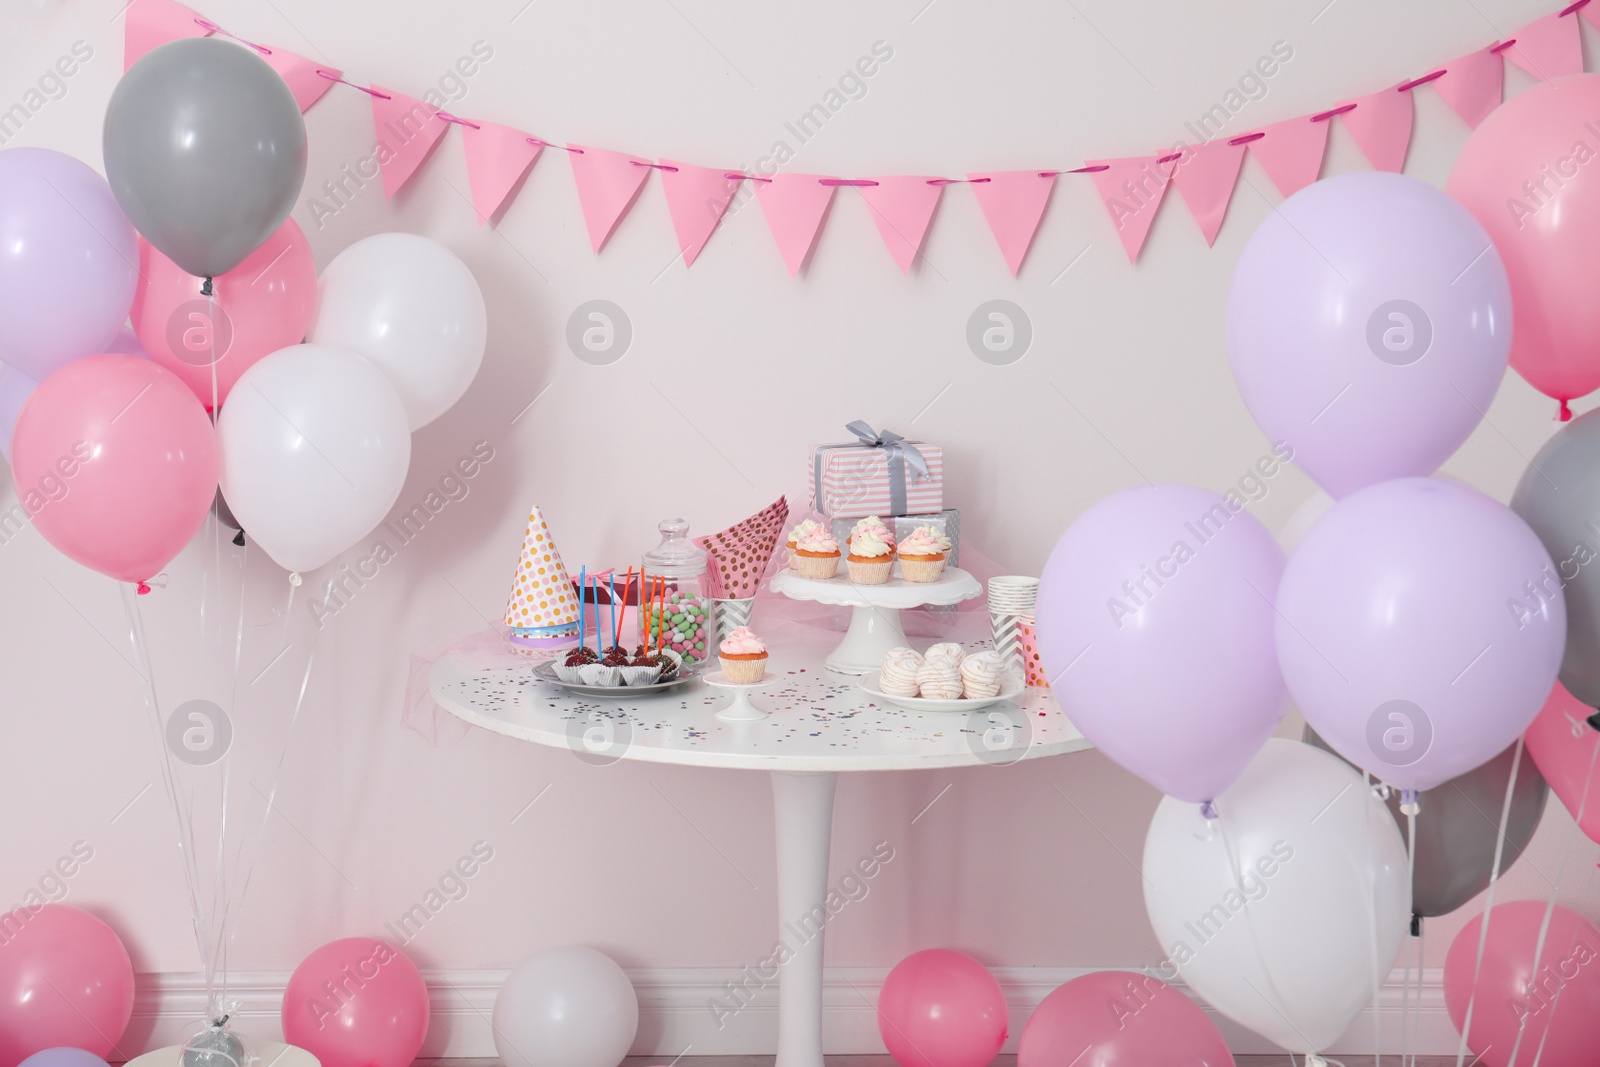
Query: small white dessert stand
[
  {"x": 267, "y": 1053},
  {"x": 818, "y": 724},
  {"x": 875, "y": 623},
  {"x": 741, "y": 710}
]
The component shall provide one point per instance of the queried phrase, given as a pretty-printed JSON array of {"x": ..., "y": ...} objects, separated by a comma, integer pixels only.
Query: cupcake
[
  {"x": 816, "y": 555},
  {"x": 871, "y": 526},
  {"x": 870, "y": 560},
  {"x": 922, "y": 555},
  {"x": 744, "y": 657},
  {"x": 899, "y": 673}
]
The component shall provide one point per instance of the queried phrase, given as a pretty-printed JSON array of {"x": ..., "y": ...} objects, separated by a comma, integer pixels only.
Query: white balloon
[
  {"x": 1285, "y": 912},
  {"x": 315, "y": 447},
  {"x": 412, "y": 307},
  {"x": 566, "y": 1007}
]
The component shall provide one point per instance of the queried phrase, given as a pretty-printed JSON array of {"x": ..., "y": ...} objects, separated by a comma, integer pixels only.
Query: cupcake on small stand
[
  {"x": 743, "y": 656},
  {"x": 800, "y": 533},
  {"x": 922, "y": 555},
  {"x": 871, "y": 526}
]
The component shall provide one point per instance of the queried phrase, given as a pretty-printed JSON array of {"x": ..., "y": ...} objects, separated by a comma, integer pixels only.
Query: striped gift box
[{"x": 852, "y": 481}]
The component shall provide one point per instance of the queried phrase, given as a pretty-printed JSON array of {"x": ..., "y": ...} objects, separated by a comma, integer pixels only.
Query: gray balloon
[
  {"x": 1559, "y": 496},
  {"x": 1457, "y": 824},
  {"x": 205, "y": 150}
]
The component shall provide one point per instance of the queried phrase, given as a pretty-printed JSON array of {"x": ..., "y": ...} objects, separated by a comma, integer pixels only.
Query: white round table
[
  {"x": 875, "y": 622},
  {"x": 819, "y": 724}
]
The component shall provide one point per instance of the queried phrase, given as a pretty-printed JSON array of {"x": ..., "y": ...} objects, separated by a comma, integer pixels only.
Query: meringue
[
  {"x": 899, "y": 673},
  {"x": 939, "y": 679},
  {"x": 981, "y": 675}
]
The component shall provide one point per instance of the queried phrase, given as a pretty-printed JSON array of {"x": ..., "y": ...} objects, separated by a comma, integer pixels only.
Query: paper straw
[
  {"x": 627, "y": 582},
  {"x": 583, "y": 633},
  {"x": 611, "y": 581}
]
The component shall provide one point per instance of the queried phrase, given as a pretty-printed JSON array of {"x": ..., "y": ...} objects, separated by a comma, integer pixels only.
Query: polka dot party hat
[{"x": 541, "y": 592}]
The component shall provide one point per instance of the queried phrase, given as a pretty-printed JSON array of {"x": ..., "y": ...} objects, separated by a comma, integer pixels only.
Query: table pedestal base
[
  {"x": 873, "y": 631},
  {"x": 803, "y": 805}
]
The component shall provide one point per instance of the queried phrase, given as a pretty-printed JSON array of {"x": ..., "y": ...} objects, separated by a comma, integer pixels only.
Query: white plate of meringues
[{"x": 1011, "y": 688}]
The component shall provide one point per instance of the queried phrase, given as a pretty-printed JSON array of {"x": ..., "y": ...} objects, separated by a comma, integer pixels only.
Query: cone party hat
[{"x": 542, "y": 604}]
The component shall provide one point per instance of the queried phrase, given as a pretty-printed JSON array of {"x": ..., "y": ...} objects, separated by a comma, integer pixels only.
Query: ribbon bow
[{"x": 897, "y": 447}]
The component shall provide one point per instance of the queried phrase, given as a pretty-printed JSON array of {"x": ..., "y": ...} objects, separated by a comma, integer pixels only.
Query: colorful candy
[{"x": 680, "y": 623}]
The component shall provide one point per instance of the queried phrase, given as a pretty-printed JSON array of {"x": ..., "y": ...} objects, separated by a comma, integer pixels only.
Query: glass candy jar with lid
[{"x": 674, "y": 610}]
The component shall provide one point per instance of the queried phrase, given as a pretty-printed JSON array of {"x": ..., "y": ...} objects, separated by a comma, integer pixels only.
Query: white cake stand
[
  {"x": 741, "y": 710},
  {"x": 268, "y": 1054},
  {"x": 875, "y": 624}
]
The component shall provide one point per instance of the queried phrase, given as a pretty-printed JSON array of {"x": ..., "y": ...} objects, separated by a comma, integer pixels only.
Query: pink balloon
[
  {"x": 264, "y": 304},
  {"x": 1567, "y": 750},
  {"x": 116, "y": 463},
  {"x": 1155, "y": 628},
  {"x": 941, "y": 1008},
  {"x": 1120, "y": 1019},
  {"x": 1369, "y": 322},
  {"x": 65, "y": 979},
  {"x": 1417, "y": 630},
  {"x": 1525, "y": 174},
  {"x": 358, "y": 1002},
  {"x": 1519, "y": 1007}
]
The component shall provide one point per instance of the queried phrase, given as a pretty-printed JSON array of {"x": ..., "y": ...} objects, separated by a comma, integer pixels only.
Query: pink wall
[{"x": 734, "y": 369}]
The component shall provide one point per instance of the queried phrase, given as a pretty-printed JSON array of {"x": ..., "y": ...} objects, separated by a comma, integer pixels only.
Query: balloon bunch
[
  {"x": 115, "y": 457},
  {"x": 1369, "y": 327}
]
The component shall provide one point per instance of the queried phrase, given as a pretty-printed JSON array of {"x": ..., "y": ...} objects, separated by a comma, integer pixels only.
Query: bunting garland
[{"x": 903, "y": 206}]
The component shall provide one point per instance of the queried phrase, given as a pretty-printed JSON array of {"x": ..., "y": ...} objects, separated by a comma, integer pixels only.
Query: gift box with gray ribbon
[{"x": 879, "y": 473}]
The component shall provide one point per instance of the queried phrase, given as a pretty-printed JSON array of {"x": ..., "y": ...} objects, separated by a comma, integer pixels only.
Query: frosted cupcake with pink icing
[
  {"x": 923, "y": 554},
  {"x": 743, "y": 657},
  {"x": 803, "y": 531},
  {"x": 816, "y": 555},
  {"x": 870, "y": 559}
]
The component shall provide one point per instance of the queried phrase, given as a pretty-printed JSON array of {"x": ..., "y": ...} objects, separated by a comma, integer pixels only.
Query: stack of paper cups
[{"x": 1011, "y": 596}]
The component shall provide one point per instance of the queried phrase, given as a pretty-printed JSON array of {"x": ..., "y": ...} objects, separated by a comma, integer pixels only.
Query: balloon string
[
  {"x": 1488, "y": 904},
  {"x": 1416, "y": 934},
  {"x": 1549, "y": 910},
  {"x": 1277, "y": 1002},
  {"x": 186, "y": 847}
]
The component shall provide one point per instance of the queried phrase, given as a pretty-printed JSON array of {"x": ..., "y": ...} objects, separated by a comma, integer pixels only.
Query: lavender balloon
[
  {"x": 1156, "y": 630},
  {"x": 1420, "y": 628},
  {"x": 63, "y": 1057},
  {"x": 1369, "y": 324},
  {"x": 68, "y": 261}
]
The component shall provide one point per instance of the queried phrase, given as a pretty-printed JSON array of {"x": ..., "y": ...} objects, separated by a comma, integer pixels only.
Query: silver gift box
[{"x": 947, "y": 522}]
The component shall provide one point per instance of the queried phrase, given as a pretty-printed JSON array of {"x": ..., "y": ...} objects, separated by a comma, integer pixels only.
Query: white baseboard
[{"x": 675, "y": 1016}]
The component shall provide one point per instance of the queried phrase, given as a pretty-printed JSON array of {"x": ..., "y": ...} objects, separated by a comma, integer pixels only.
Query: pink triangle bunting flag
[
  {"x": 407, "y": 131},
  {"x": 497, "y": 158},
  {"x": 1132, "y": 190},
  {"x": 152, "y": 23},
  {"x": 608, "y": 184},
  {"x": 1013, "y": 201},
  {"x": 300, "y": 74},
  {"x": 1548, "y": 47},
  {"x": 902, "y": 207},
  {"x": 1291, "y": 153},
  {"x": 1381, "y": 125},
  {"x": 1473, "y": 85},
  {"x": 1205, "y": 176},
  {"x": 697, "y": 197},
  {"x": 795, "y": 205}
]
